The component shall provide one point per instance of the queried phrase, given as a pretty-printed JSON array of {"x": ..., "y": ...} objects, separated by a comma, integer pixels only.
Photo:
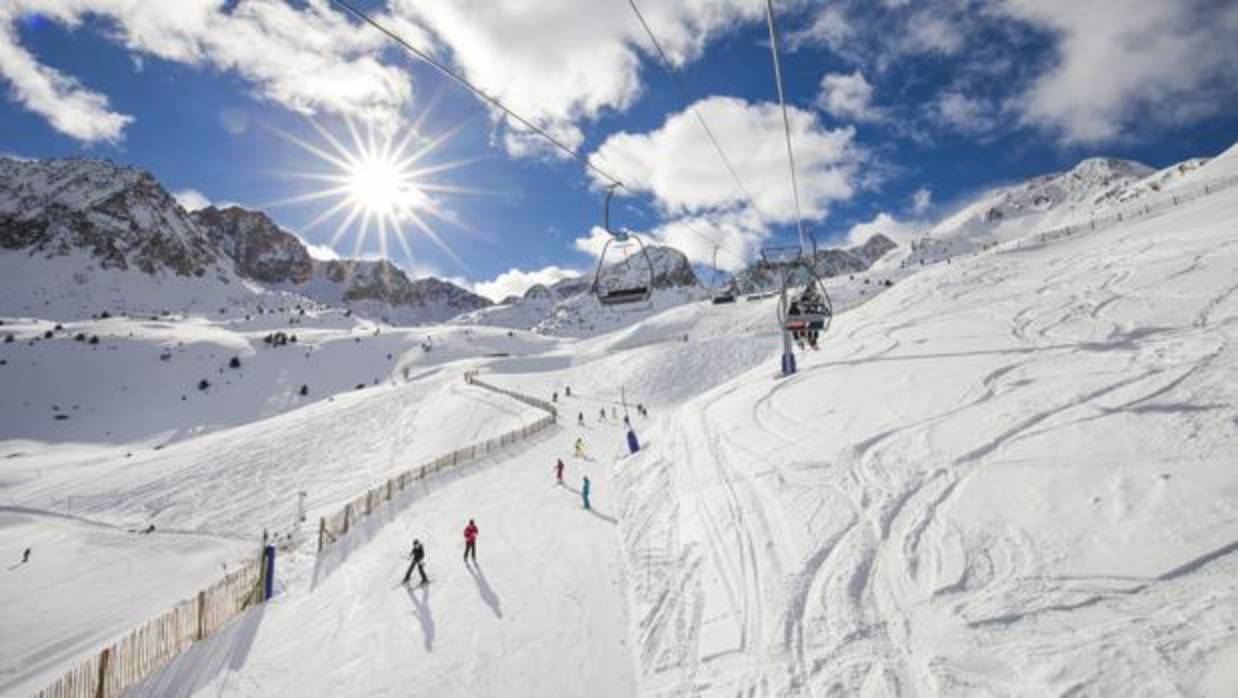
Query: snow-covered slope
[{"x": 1009, "y": 475}]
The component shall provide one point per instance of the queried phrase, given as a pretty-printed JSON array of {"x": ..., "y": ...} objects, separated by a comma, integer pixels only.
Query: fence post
[
  {"x": 202, "y": 611},
  {"x": 347, "y": 515},
  {"x": 369, "y": 507},
  {"x": 268, "y": 572},
  {"x": 322, "y": 530},
  {"x": 101, "y": 685}
]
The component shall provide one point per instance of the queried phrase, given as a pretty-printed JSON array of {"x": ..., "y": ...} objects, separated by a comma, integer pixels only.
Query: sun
[{"x": 379, "y": 185}]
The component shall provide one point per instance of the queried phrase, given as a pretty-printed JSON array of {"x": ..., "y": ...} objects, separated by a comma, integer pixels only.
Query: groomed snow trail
[
  {"x": 1009, "y": 476},
  {"x": 543, "y": 613}
]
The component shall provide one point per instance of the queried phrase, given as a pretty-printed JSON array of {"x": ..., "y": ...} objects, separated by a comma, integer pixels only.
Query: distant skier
[
  {"x": 580, "y": 419},
  {"x": 567, "y": 391},
  {"x": 470, "y": 541},
  {"x": 559, "y": 471},
  {"x": 580, "y": 447},
  {"x": 25, "y": 556},
  {"x": 418, "y": 555},
  {"x": 584, "y": 491},
  {"x": 554, "y": 397},
  {"x": 602, "y": 415},
  {"x": 627, "y": 422}
]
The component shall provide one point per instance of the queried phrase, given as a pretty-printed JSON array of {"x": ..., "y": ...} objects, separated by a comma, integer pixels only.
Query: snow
[{"x": 1007, "y": 475}]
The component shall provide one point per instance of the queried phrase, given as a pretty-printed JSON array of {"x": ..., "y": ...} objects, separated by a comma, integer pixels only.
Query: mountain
[
  {"x": 766, "y": 276},
  {"x": 272, "y": 256},
  {"x": 81, "y": 236}
]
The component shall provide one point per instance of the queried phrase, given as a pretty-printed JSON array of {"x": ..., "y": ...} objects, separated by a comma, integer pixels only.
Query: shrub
[
  {"x": 360, "y": 386},
  {"x": 94, "y": 339},
  {"x": 203, "y": 384},
  {"x": 58, "y": 327},
  {"x": 292, "y": 338},
  {"x": 47, "y": 335},
  {"x": 104, "y": 315},
  {"x": 235, "y": 362},
  {"x": 8, "y": 339},
  {"x": 79, "y": 337},
  {"x": 304, "y": 390}
]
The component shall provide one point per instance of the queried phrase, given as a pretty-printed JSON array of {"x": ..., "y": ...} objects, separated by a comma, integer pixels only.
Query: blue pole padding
[
  {"x": 633, "y": 444},
  {"x": 788, "y": 363},
  {"x": 269, "y": 560}
]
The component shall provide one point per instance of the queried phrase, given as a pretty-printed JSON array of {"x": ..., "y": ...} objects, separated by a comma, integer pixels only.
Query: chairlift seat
[{"x": 624, "y": 295}]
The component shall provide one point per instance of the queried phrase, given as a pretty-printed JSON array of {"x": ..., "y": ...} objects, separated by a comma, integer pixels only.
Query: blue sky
[{"x": 900, "y": 110}]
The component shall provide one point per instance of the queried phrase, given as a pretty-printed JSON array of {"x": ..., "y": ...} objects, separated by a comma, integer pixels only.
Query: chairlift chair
[{"x": 624, "y": 293}]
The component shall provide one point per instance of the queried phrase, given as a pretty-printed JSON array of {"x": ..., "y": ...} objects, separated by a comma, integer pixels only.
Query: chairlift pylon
[{"x": 624, "y": 293}]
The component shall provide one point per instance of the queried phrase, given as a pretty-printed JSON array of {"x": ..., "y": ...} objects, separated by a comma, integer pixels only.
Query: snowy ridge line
[
  {"x": 1167, "y": 201},
  {"x": 147, "y": 649},
  {"x": 332, "y": 528}
]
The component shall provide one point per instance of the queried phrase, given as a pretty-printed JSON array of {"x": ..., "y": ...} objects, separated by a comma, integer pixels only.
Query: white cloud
[
  {"x": 679, "y": 167},
  {"x": 191, "y": 199},
  {"x": 964, "y": 113},
  {"x": 901, "y": 232},
  {"x": 308, "y": 59},
  {"x": 921, "y": 200},
  {"x": 561, "y": 63},
  {"x": 514, "y": 282},
  {"x": 848, "y": 97},
  {"x": 1118, "y": 60},
  {"x": 234, "y": 121}
]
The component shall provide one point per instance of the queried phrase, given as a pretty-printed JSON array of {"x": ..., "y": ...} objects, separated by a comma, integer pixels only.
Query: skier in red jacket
[
  {"x": 559, "y": 471},
  {"x": 470, "y": 541}
]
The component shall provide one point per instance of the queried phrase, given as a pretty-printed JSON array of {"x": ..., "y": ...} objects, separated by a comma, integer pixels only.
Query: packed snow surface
[{"x": 1012, "y": 475}]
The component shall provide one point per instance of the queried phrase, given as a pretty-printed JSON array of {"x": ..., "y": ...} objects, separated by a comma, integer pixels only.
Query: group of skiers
[{"x": 418, "y": 553}]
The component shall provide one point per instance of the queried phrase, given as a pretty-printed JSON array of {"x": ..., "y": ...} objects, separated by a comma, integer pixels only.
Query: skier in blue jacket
[{"x": 584, "y": 491}]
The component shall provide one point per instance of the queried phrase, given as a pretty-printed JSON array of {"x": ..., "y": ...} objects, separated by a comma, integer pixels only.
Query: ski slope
[
  {"x": 1009, "y": 476},
  {"x": 1012, "y": 475}
]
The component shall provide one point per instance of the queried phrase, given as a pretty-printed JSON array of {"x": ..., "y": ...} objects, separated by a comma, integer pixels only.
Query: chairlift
[
  {"x": 722, "y": 295},
  {"x": 625, "y": 292},
  {"x": 808, "y": 310}
]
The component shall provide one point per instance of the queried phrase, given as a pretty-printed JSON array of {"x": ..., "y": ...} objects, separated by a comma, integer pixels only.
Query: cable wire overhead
[{"x": 786, "y": 123}]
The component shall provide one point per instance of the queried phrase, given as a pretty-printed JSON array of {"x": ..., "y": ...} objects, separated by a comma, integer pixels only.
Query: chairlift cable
[
  {"x": 786, "y": 122},
  {"x": 440, "y": 67},
  {"x": 448, "y": 72}
]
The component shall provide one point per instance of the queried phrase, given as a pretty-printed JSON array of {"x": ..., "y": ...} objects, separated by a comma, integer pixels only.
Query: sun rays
[{"x": 377, "y": 186}]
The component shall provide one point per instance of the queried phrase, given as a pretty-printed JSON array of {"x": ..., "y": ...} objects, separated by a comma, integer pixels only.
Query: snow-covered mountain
[
  {"x": 766, "y": 276},
  {"x": 379, "y": 289},
  {"x": 80, "y": 236}
]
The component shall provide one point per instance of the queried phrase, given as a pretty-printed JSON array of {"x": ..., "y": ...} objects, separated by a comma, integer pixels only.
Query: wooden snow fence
[
  {"x": 149, "y": 648},
  {"x": 332, "y": 528}
]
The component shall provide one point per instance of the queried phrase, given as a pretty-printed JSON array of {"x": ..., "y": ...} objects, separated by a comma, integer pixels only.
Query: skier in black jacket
[{"x": 418, "y": 555}]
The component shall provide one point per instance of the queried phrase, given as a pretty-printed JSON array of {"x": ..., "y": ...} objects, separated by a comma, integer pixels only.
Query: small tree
[
  {"x": 235, "y": 362},
  {"x": 94, "y": 339},
  {"x": 304, "y": 390},
  {"x": 203, "y": 384}
]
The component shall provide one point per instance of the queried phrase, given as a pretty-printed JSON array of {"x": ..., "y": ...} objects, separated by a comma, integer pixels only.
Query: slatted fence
[
  {"x": 149, "y": 648},
  {"x": 331, "y": 528}
]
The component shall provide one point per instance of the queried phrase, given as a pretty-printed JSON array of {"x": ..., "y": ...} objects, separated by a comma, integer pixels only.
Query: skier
[
  {"x": 568, "y": 391},
  {"x": 559, "y": 471},
  {"x": 580, "y": 419},
  {"x": 793, "y": 314},
  {"x": 470, "y": 541},
  {"x": 602, "y": 415},
  {"x": 25, "y": 557},
  {"x": 627, "y": 422},
  {"x": 584, "y": 491},
  {"x": 418, "y": 554},
  {"x": 580, "y": 447},
  {"x": 554, "y": 397}
]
